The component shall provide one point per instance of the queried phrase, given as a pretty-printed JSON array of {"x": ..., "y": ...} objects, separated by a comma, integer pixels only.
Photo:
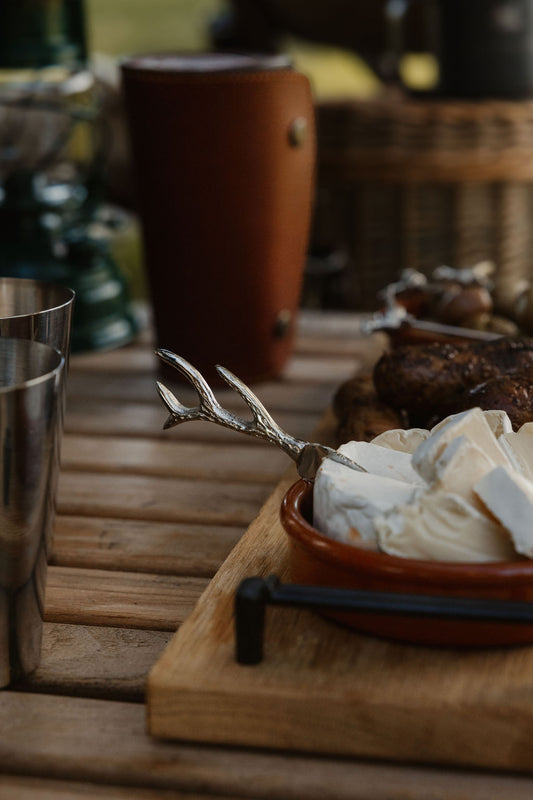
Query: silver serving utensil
[
  {"x": 307, "y": 455},
  {"x": 395, "y": 317},
  {"x": 391, "y": 321}
]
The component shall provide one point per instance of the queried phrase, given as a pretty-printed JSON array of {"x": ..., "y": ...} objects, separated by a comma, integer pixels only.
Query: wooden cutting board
[{"x": 325, "y": 689}]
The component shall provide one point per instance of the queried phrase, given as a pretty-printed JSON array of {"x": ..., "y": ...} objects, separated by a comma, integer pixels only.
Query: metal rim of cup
[
  {"x": 198, "y": 64},
  {"x": 42, "y": 377},
  {"x": 65, "y": 296}
]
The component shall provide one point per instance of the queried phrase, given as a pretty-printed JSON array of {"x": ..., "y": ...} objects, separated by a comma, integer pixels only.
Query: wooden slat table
[{"x": 145, "y": 519}]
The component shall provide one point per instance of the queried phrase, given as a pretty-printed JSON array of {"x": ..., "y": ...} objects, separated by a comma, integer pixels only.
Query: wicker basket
[{"x": 420, "y": 183}]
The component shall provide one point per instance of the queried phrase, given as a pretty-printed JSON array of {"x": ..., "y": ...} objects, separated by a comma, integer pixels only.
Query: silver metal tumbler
[
  {"x": 30, "y": 385},
  {"x": 36, "y": 310},
  {"x": 41, "y": 311}
]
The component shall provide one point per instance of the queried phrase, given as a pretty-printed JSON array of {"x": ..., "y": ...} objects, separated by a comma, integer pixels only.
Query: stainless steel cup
[
  {"x": 41, "y": 311},
  {"x": 30, "y": 386},
  {"x": 36, "y": 310}
]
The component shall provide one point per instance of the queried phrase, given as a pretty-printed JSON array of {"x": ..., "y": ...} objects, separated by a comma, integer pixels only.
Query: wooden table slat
[
  {"x": 16, "y": 788},
  {"x": 142, "y": 546},
  {"x": 119, "y": 599},
  {"x": 95, "y": 661},
  {"x": 142, "y": 360},
  {"x": 104, "y": 418},
  {"x": 174, "y": 458},
  {"x": 159, "y": 498},
  {"x": 311, "y": 396}
]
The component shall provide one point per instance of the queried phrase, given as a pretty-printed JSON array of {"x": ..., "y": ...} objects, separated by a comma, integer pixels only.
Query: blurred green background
[{"x": 121, "y": 27}]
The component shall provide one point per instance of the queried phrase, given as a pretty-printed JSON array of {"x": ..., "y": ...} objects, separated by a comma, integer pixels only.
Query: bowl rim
[{"x": 349, "y": 557}]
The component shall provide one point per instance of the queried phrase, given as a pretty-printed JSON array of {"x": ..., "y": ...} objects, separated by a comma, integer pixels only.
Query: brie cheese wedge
[
  {"x": 519, "y": 449},
  {"x": 499, "y": 421},
  {"x": 440, "y": 526},
  {"x": 473, "y": 425},
  {"x": 345, "y": 502},
  {"x": 461, "y": 464},
  {"x": 509, "y": 498},
  {"x": 405, "y": 441},
  {"x": 382, "y": 461}
]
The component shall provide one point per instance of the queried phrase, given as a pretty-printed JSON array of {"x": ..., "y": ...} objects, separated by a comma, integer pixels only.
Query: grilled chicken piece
[{"x": 429, "y": 382}]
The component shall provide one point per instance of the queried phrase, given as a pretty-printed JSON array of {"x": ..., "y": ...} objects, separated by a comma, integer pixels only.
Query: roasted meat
[
  {"x": 428, "y": 382},
  {"x": 361, "y": 415},
  {"x": 512, "y": 393}
]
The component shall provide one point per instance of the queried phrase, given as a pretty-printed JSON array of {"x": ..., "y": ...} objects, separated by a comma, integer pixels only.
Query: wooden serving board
[{"x": 324, "y": 689}]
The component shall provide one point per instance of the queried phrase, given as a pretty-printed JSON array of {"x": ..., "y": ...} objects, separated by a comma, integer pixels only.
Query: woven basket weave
[{"x": 423, "y": 183}]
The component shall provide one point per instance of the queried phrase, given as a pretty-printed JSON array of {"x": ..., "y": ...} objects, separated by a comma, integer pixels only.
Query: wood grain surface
[
  {"x": 121, "y": 455},
  {"x": 103, "y": 418},
  {"x": 96, "y": 661},
  {"x": 122, "y": 599},
  {"x": 161, "y": 498},
  {"x": 143, "y": 546},
  {"x": 140, "y": 530}
]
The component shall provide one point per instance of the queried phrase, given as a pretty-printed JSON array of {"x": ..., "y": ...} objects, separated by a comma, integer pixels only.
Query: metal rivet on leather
[{"x": 298, "y": 132}]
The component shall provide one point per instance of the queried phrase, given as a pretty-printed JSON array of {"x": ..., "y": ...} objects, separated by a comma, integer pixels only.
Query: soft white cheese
[
  {"x": 382, "y": 461},
  {"x": 499, "y": 421},
  {"x": 519, "y": 449},
  {"x": 405, "y": 441},
  {"x": 473, "y": 425},
  {"x": 461, "y": 464},
  {"x": 460, "y": 492},
  {"x": 442, "y": 526},
  {"x": 345, "y": 502},
  {"x": 509, "y": 497}
]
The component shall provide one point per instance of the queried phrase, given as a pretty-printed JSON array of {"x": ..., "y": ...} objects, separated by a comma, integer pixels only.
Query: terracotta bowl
[{"x": 318, "y": 560}]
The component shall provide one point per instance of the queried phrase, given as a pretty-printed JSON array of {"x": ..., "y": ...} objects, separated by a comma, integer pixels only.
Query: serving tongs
[{"x": 307, "y": 455}]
